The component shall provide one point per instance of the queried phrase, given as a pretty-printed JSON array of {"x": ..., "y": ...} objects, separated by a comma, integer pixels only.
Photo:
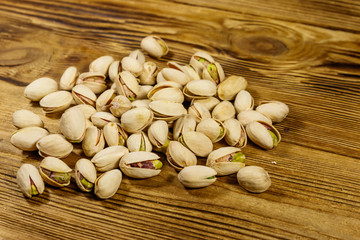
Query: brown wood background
[{"x": 304, "y": 53}]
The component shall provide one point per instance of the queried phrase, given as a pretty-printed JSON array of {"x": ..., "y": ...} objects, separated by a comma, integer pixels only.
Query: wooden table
[{"x": 304, "y": 53}]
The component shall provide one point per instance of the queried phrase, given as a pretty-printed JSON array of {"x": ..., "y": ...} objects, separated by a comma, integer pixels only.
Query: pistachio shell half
[
  {"x": 26, "y": 138},
  {"x": 243, "y": 101},
  {"x": 56, "y": 101},
  {"x": 154, "y": 46},
  {"x": 93, "y": 141},
  {"x": 231, "y": 86},
  {"x": 197, "y": 176},
  {"x": 138, "y": 142},
  {"x": 72, "y": 125},
  {"x": 109, "y": 158},
  {"x": 254, "y": 179},
  {"x": 136, "y": 119},
  {"x": 68, "y": 78},
  {"x": 114, "y": 134},
  {"x": 212, "y": 128},
  {"x": 226, "y": 160},
  {"x": 149, "y": 73},
  {"x": 197, "y": 142},
  {"x": 107, "y": 184},
  {"x": 100, "y": 119},
  {"x": 39, "y": 88},
  {"x": 224, "y": 110},
  {"x": 25, "y": 118},
  {"x": 179, "y": 156},
  {"x": 263, "y": 134},
  {"x": 101, "y": 64},
  {"x": 235, "y": 133},
  {"x": 275, "y": 110},
  {"x": 83, "y": 95},
  {"x": 54, "y": 145}
]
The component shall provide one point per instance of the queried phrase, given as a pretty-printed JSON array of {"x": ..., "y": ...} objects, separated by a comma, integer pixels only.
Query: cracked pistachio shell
[
  {"x": 143, "y": 91},
  {"x": 187, "y": 123},
  {"x": 100, "y": 119},
  {"x": 140, "y": 103},
  {"x": 197, "y": 176},
  {"x": 199, "y": 111},
  {"x": 93, "y": 80},
  {"x": 231, "y": 86},
  {"x": 107, "y": 184},
  {"x": 158, "y": 133},
  {"x": 29, "y": 180},
  {"x": 138, "y": 142},
  {"x": 167, "y": 110},
  {"x": 73, "y": 125},
  {"x": 200, "y": 89},
  {"x": 93, "y": 141},
  {"x": 168, "y": 94},
  {"x": 83, "y": 95},
  {"x": 127, "y": 85},
  {"x": 119, "y": 105},
  {"x": 136, "y": 119},
  {"x": 54, "y": 145},
  {"x": 114, "y": 70},
  {"x": 179, "y": 156},
  {"x": 163, "y": 85},
  {"x": 26, "y": 138},
  {"x": 235, "y": 133},
  {"x": 114, "y": 134},
  {"x": 101, "y": 64},
  {"x": 39, "y": 88},
  {"x": 139, "y": 158},
  {"x": 86, "y": 109},
  {"x": 154, "y": 46},
  {"x": 138, "y": 55},
  {"x": 55, "y": 172},
  {"x": 223, "y": 111},
  {"x": 68, "y": 78},
  {"x": 175, "y": 75},
  {"x": 276, "y": 111},
  {"x": 193, "y": 74},
  {"x": 25, "y": 118},
  {"x": 263, "y": 134},
  {"x": 85, "y": 174},
  {"x": 148, "y": 75},
  {"x": 248, "y": 116},
  {"x": 104, "y": 100},
  {"x": 197, "y": 142},
  {"x": 254, "y": 179},
  {"x": 213, "y": 72},
  {"x": 209, "y": 103},
  {"x": 132, "y": 65},
  {"x": 56, "y": 101},
  {"x": 219, "y": 161},
  {"x": 243, "y": 101},
  {"x": 109, "y": 158},
  {"x": 212, "y": 128},
  {"x": 200, "y": 60}
]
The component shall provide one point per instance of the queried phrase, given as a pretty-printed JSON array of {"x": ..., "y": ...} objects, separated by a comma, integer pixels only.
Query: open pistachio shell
[
  {"x": 127, "y": 85},
  {"x": 200, "y": 89},
  {"x": 154, "y": 46},
  {"x": 86, "y": 109},
  {"x": 93, "y": 80},
  {"x": 179, "y": 156},
  {"x": 93, "y": 141},
  {"x": 235, "y": 133},
  {"x": 168, "y": 94},
  {"x": 109, "y": 158},
  {"x": 158, "y": 134},
  {"x": 197, "y": 142},
  {"x": 197, "y": 176},
  {"x": 114, "y": 134},
  {"x": 209, "y": 103},
  {"x": 114, "y": 70},
  {"x": 167, "y": 110},
  {"x": 56, "y": 101},
  {"x": 55, "y": 172},
  {"x": 212, "y": 128},
  {"x": 25, "y": 118},
  {"x": 107, "y": 184},
  {"x": 254, "y": 179},
  {"x": 248, "y": 116},
  {"x": 226, "y": 160},
  {"x": 85, "y": 174},
  {"x": 54, "y": 145},
  {"x": 187, "y": 123},
  {"x": 231, "y": 86},
  {"x": 148, "y": 75},
  {"x": 243, "y": 101},
  {"x": 72, "y": 125},
  {"x": 119, "y": 105},
  {"x": 138, "y": 142},
  {"x": 83, "y": 95},
  {"x": 132, "y": 65},
  {"x": 200, "y": 60},
  {"x": 136, "y": 119},
  {"x": 104, "y": 100},
  {"x": 263, "y": 134},
  {"x": 199, "y": 111},
  {"x": 138, "y": 55},
  {"x": 68, "y": 79},
  {"x": 101, "y": 64},
  {"x": 29, "y": 180},
  {"x": 39, "y": 88},
  {"x": 224, "y": 110},
  {"x": 26, "y": 138},
  {"x": 214, "y": 72},
  {"x": 143, "y": 91},
  {"x": 276, "y": 111},
  {"x": 193, "y": 74},
  {"x": 100, "y": 119}
]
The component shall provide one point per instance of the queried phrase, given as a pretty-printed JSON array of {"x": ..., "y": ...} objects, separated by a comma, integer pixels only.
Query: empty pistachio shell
[
  {"x": 231, "y": 86},
  {"x": 26, "y": 138},
  {"x": 138, "y": 142},
  {"x": 39, "y": 88},
  {"x": 187, "y": 123},
  {"x": 86, "y": 109},
  {"x": 68, "y": 79},
  {"x": 214, "y": 72},
  {"x": 101, "y": 64},
  {"x": 109, "y": 158},
  {"x": 200, "y": 60},
  {"x": 179, "y": 156},
  {"x": 143, "y": 91},
  {"x": 140, "y": 164},
  {"x": 85, "y": 174},
  {"x": 114, "y": 134},
  {"x": 29, "y": 180},
  {"x": 136, "y": 119},
  {"x": 56, "y": 101},
  {"x": 138, "y": 56},
  {"x": 114, "y": 70},
  {"x": 209, "y": 103},
  {"x": 158, "y": 134},
  {"x": 72, "y": 125},
  {"x": 263, "y": 134},
  {"x": 275, "y": 110},
  {"x": 54, "y": 145},
  {"x": 248, "y": 116},
  {"x": 197, "y": 176},
  {"x": 100, "y": 119},
  {"x": 132, "y": 65},
  {"x": 119, "y": 105},
  {"x": 148, "y": 75},
  {"x": 166, "y": 110},
  {"x": 197, "y": 142},
  {"x": 25, "y": 118},
  {"x": 235, "y": 133},
  {"x": 199, "y": 111},
  {"x": 104, "y": 100},
  {"x": 154, "y": 46},
  {"x": 127, "y": 85},
  {"x": 55, "y": 172},
  {"x": 93, "y": 80},
  {"x": 108, "y": 183},
  {"x": 212, "y": 128},
  {"x": 226, "y": 160},
  {"x": 93, "y": 141},
  {"x": 224, "y": 110},
  {"x": 199, "y": 89},
  {"x": 254, "y": 179},
  {"x": 243, "y": 101},
  {"x": 83, "y": 95}
]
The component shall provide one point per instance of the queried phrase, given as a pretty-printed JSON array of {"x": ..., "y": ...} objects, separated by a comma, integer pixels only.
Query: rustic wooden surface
[{"x": 304, "y": 53}]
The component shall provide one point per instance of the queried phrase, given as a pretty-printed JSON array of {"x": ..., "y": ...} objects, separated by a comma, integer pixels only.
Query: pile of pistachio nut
[{"x": 121, "y": 111}]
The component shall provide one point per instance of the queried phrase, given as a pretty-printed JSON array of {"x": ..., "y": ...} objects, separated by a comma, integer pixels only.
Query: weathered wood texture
[{"x": 304, "y": 53}]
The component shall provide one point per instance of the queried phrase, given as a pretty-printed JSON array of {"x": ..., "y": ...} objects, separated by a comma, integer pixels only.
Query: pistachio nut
[
  {"x": 138, "y": 142},
  {"x": 107, "y": 184},
  {"x": 25, "y": 118},
  {"x": 88, "y": 123},
  {"x": 104, "y": 100},
  {"x": 68, "y": 78},
  {"x": 54, "y": 145},
  {"x": 200, "y": 89},
  {"x": 39, "y": 88},
  {"x": 119, "y": 105},
  {"x": 109, "y": 158},
  {"x": 254, "y": 179},
  {"x": 193, "y": 74},
  {"x": 243, "y": 101},
  {"x": 263, "y": 134},
  {"x": 73, "y": 125},
  {"x": 154, "y": 46},
  {"x": 158, "y": 134},
  {"x": 93, "y": 141},
  {"x": 197, "y": 176},
  {"x": 86, "y": 109},
  {"x": 93, "y": 80},
  {"x": 200, "y": 60},
  {"x": 175, "y": 75},
  {"x": 140, "y": 164},
  {"x": 114, "y": 134},
  {"x": 55, "y": 172},
  {"x": 212, "y": 128},
  {"x": 148, "y": 75},
  {"x": 209, "y": 103},
  {"x": 231, "y": 86},
  {"x": 186, "y": 123},
  {"x": 143, "y": 91},
  {"x": 248, "y": 116},
  {"x": 85, "y": 174},
  {"x": 213, "y": 71},
  {"x": 29, "y": 180},
  {"x": 132, "y": 65},
  {"x": 114, "y": 70},
  {"x": 226, "y": 160},
  {"x": 161, "y": 86},
  {"x": 100, "y": 119},
  {"x": 140, "y": 103},
  {"x": 101, "y": 64},
  {"x": 199, "y": 111},
  {"x": 179, "y": 156},
  {"x": 127, "y": 85},
  {"x": 138, "y": 56},
  {"x": 274, "y": 110},
  {"x": 224, "y": 110},
  {"x": 235, "y": 133},
  {"x": 166, "y": 110},
  {"x": 56, "y": 101},
  {"x": 168, "y": 94},
  {"x": 26, "y": 138},
  {"x": 197, "y": 142},
  {"x": 136, "y": 119},
  {"x": 83, "y": 95}
]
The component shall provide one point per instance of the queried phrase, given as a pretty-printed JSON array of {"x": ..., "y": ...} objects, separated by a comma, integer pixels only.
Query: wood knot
[
  {"x": 261, "y": 45},
  {"x": 18, "y": 56}
]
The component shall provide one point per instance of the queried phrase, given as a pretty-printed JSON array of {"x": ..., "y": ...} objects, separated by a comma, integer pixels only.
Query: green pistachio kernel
[
  {"x": 221, "y": 132},
  {"x": 274, "y": 137},
  {"x": 163, "y": 148},
  {"x": 33, "y": 190},
  {"x": 212, "y": 71},
  {"x": 238, "y": 157},
  {"x": 131, "y": 98},
  {"x": 162, "y": 44},
  {"x": 201, "y": 60},
  {"x": 142, "y": 144},
  {"x": 86, "y": 184},
  {"x": 61, "y": 177},
  {"x": 121, "y": 141},
  {"x": 157, "y": 164},
  {"x": 212, "y": 177}
]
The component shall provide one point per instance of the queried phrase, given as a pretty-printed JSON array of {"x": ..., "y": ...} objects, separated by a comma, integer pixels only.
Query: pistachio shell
[
  {"x": 138, "y": 142},
  {"x": 254, "y": 179},
  {"x": 187, "y": 123},
  {"x": 119, "y": 105},
  {"x": 243, "y": 101},
  {"x": 127, "y": 85},
  {"x": 212, "y": 128},
  {"x": 220, "y": 162},
  {"x": 136, "y": 119},
  {"x": 25, "y": 118},
  {"x": 55, "y": 172},
  {"x": 158, "y": 133},
  {"x": 197, "y": 142},
  {"x": 231, "y": 86},
  {"x": 200, "y": 60},
  {"x": 197, "y": 176},
  {"x": 138, "y": 56},
  {"x": 101, "y": 64},
  {"x": 107, "y": 184},
  {"x": 100, "y": 119},
  {"x": 167, "y": 109},
  {"x": 193, "y": 74},
  {"x": 85, "y": 171},
  {"x": 68, "y": 78},
  {"x": 132, "y": 65},
  {"x": 199, "y": 111},
  {"x": 26, "y": 138},
  {"x": 263, "y": 134},
  {"x": 28, "y": 178},
  {"x": 103, "y": 102},
  {"x": 175, "y": 75},
  {"x": 143, "y": 91},
  {"x": 114, "y": 134},
  {"x": 141, "y": 103},
  {"x": 93, "y": 141},
  {"x": 86, "y": 109},
  {"x": 39, "y": 88},
  {"x": 179, "y": 156},
  {"x": 223, "y": 111},
  {"x": 56, "y": 101},
  {"x": 214, "y": 72},
  {"x": 72, "y": 125},
  {"x": 93, "y": 80},
  {"x": 248, "y": 116},
  {"x": 148, "y": 75},
  {"x": 83, "y": 95},
  {"x": 143, "y": 171},
  {"x": 235, "y": 133},
  {"x": 168, "y": 94},
  {"x": 154, "y": 46},
  {"x": 199, "y": 89},
  {"x": 276, "y": 111},
  {"x": 54, "y": 145},
  {"x": 114, "y": 70},
  {"x": 209, "y": 103},
  {"x": 109, "y": 158}
]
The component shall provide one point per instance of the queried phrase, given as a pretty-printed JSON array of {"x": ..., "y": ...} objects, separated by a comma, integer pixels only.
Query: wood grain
[{"x": 304, "y": 53}]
